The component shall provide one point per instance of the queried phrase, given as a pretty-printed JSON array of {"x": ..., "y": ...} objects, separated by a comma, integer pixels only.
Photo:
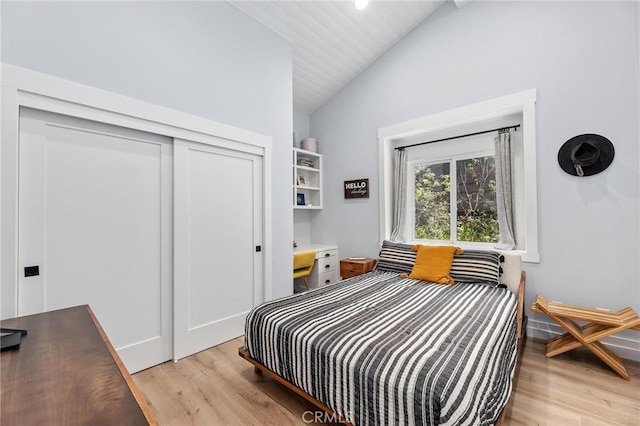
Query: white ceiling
[{"x": 332, "y": 41}]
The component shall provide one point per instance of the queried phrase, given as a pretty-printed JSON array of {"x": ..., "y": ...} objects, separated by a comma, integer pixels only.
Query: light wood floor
[{"x": 217, "y": 387}]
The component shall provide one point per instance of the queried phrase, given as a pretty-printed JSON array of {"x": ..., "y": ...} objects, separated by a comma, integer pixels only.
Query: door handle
[{"x": 31, "y": 271}]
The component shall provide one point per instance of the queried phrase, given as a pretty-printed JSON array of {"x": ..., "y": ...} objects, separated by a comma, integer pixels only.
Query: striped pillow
[
  {"x": 476, "y": 266},
  {"x": 396, "y": 257}
]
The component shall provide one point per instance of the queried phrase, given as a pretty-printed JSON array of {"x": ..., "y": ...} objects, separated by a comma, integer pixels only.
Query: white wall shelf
[{"x": 307, "y": 180}]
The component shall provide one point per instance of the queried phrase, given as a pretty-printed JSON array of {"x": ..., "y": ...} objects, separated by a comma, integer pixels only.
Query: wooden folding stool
[{"x": 600, "y": 324}]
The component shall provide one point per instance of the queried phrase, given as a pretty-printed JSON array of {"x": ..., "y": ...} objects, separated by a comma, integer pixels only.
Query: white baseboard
[{"x": 624, "y": 347}]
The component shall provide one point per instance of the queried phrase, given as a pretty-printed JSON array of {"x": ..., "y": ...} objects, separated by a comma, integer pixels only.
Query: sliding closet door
[
  {"x": 95, "y": 219},
  {"x": 218, "y": 234}
]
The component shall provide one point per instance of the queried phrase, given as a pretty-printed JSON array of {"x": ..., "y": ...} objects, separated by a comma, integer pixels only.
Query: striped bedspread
[{"x": 381, "y": 350}]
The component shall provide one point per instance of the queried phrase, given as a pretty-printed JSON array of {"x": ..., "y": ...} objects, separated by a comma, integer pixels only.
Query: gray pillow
[
  {"x": 476, "y": 266},
  {"x": 396, "y": 257}
]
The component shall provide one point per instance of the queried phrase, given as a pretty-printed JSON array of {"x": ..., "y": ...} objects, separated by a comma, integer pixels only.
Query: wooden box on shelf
[{"x": 352, "y": 267}]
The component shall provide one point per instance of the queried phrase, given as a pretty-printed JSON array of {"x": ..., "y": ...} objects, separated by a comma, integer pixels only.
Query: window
[
  {"x": 473, "y": 199},
  {"x": 432, "y": 201},
  {"x": 451, "y": 189},
  {"x": 463, "y": 120}
]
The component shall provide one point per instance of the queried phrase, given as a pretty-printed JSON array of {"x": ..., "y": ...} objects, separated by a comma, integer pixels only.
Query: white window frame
[
  {"x": 437, "y": 155},
  {"x": 518, "y": 103}
]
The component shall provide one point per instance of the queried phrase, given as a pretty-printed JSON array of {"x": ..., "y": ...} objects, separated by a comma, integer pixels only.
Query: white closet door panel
[
  {"x": 218, "y": 273},
  {"x": 220, "y": 207},
  {"x": 95, "y": 214}
]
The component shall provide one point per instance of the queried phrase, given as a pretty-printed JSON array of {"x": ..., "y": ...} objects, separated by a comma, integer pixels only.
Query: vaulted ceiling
[{"x": 332, "y": 41}]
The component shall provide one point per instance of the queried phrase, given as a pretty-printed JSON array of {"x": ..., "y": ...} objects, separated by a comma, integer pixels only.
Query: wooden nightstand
[{"x": 351, "y": 267}]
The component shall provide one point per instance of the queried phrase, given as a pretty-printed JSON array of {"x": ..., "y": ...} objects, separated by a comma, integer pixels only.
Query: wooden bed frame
[{"x": 259, "y": 368}]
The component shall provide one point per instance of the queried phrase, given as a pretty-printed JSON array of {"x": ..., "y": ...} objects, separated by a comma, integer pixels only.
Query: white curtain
[
  {"x": 504, "y": 190},
  {"x": 399, "y": 196}
]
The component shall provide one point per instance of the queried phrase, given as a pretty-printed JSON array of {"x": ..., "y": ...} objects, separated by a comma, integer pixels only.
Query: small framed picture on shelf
[
  {"x": 301, "y": 180},
  {"x": 300, "y": 199}
]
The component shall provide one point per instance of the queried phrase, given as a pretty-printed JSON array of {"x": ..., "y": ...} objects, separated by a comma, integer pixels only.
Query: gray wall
[
  {"x": 203, "y": 58},
  {"x": 301, "y": 122},
  {"x": 582, "y": 58},
  {"x": 301, "y": 218}
]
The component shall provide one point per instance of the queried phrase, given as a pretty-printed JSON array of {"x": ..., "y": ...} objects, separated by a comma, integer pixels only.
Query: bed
[{"x": 381, "y": 348}]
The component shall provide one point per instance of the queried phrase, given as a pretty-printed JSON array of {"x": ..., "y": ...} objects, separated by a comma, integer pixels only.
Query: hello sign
[{"x": 358, "y": 188}]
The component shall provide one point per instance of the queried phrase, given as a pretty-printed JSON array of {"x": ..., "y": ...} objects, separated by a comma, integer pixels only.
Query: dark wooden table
[{"x": 66, "y": 372}]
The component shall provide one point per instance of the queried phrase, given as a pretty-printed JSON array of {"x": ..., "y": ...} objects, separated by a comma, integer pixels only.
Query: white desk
[{"x": 325, "y": 271}]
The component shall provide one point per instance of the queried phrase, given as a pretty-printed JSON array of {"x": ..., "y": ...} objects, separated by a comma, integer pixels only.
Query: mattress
[{"x": 381, "y": 349}]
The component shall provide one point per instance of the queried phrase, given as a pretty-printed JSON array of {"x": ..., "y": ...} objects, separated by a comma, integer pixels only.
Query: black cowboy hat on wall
[{"x": 586, "y": 155}]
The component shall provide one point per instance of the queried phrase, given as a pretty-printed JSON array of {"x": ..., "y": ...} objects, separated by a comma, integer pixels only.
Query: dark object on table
[{"x": 12, "y": 339}]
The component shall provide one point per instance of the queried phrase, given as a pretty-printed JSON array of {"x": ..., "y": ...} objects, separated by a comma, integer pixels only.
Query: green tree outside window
[{"x": 475, "y": 199}]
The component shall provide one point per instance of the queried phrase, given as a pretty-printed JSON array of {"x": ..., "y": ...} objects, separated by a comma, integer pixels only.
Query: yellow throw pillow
[{"x": 433, "y": 263}]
